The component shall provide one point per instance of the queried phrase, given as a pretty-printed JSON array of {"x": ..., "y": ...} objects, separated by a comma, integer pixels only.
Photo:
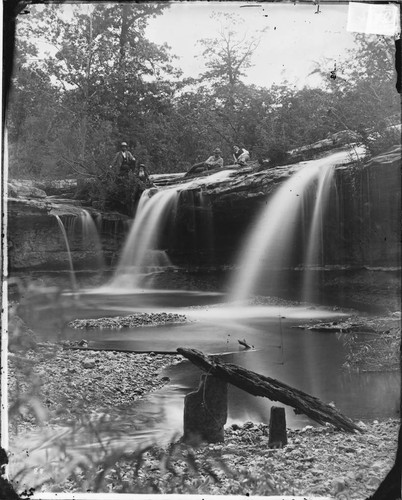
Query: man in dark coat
[{"x": 124, "y": 161}]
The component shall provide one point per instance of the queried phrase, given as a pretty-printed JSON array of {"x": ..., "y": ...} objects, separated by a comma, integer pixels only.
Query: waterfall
[
  {"x": 90, "y": 240},
  {"x": 153, "y": 229},
  {"x": 70, "y": 260},
  {"x": 90, "y": 237},
  {"x": 141, "y": 253},
  {"x": 271, "y": 244},
  {"x": 314, "y": 255}
]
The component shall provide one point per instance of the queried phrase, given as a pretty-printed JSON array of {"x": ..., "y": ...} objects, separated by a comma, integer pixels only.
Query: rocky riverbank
[
  {"x": 54, "y": 387},
  {"x": 317, "y": 461},
  {"x": 65, "y": 383}
]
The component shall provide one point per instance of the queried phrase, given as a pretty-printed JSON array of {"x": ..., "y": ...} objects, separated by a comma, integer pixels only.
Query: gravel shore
[
  {"x": 53, "y": 385},
  {"x": 317, "y": 461},
  {"x": 66, "y": 380}
]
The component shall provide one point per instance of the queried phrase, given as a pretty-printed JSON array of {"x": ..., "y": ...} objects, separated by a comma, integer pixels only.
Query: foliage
[
  {"x": 112, "y": 192},
  {"x": 99, "y": 81},
  {"x": 373, "y": 354},
  {"x": 363, "y": 96}
]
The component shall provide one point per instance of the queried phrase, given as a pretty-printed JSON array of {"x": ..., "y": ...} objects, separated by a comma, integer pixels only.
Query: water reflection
[{"x": 307, "y": 360}]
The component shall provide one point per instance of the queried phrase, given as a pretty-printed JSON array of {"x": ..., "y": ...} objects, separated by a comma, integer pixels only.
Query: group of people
[
  {"x": 124, "y": 162},
  {"x": 240, "y": 157}
]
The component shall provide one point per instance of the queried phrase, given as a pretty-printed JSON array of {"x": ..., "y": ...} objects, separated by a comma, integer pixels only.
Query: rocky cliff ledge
[
  {"x": 35, "y": 239},
  {"x": 362, "y": 224}
]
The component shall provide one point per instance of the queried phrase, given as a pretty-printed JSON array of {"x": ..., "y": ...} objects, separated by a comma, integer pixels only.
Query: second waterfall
[{"x": 288, "y": 233}]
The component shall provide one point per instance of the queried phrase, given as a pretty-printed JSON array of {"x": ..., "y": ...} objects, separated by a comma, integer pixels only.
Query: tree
[
  {"x": 107, "y": 76},
  {"x": 363, "y": 96},
  {"x": 227, "y": 57}
]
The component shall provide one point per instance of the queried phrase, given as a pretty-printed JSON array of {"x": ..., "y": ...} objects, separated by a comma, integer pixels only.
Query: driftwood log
[{"x": 260, "y": 385}]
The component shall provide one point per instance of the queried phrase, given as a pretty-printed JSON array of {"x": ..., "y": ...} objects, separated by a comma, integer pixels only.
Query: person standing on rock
[
  {"x": 240, "y": 155},
  {"x": 214, "y": 161},
  {"x": 124, "y": 161}
]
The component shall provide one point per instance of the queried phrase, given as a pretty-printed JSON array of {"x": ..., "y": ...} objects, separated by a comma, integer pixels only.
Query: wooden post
[
  {"x": 277, "y": 428},
  {"x": 205, "y": 412}
]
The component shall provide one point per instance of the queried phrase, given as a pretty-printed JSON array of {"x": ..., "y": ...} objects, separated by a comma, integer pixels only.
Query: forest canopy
[{"x": 102, "y": 81}]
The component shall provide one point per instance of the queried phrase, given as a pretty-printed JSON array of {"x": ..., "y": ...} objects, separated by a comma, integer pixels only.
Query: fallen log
[{"x": 260, "y": 385}]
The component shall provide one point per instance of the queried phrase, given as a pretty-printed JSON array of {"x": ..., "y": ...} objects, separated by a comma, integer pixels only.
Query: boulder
[
  {"x": 24, "y": 189},
  {"x": 58, "y": 187}
]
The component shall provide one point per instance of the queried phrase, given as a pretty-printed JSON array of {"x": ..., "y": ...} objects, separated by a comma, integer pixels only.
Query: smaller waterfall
[
  {"x": 70, "y": 260},
  {"x": 90, "y": 237}
]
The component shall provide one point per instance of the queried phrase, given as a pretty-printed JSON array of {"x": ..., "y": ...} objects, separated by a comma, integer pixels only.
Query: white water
[
  {"x": 142, "y": 255},
  {"x": 314, "y": 255},
  {"x": 90, "y": 237},
  {"x": 140, "y": 248},
  {"x": 70, "y": 260},
  {"x": 270, "y": 243}
]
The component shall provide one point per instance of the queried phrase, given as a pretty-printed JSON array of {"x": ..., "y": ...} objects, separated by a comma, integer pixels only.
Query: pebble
[{"x": 88, "y": 363}]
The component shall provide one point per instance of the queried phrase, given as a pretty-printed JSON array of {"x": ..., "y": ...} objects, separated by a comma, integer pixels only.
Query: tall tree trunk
[
  {"x": 123, "y": 39},
  {"x": 84, "y": 119}
]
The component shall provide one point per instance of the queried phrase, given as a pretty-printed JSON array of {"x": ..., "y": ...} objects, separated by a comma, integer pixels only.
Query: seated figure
[
  {"x": 214, "y": 161},
  {"x": 240, "y": 155}
]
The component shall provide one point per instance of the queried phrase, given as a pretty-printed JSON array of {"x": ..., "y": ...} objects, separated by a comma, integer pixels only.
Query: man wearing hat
[
  {"x": 214, "y": 161},
  {"x": 124, "y": 161}
]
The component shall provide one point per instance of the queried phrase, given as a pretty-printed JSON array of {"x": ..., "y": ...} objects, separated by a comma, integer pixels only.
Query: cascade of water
[
  {"x": 90, "y": 237},
  {"x": 315, "y": 244},
  {"x": 208, "y": 226},
  {"x": 271, "y": 241},
  {"x": 69, "y": 223},
  {"x": 140, "y": 251},
  {"x": 70, "y": 260}
]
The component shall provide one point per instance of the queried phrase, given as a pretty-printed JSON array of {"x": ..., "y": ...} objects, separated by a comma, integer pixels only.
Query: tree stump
[
  {"x": 205, "y": 412},
  {"x": 277, "y": 428}
]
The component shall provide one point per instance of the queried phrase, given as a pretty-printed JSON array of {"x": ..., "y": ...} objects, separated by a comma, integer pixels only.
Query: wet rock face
[
  {"x": 35, "y": 240},
  {"x": 362, "y": 220},
  {"x": 363, "y": 226}
]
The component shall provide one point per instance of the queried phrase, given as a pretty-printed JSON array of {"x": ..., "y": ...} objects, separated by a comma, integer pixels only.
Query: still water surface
[{"x": 310, "y": 361}]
